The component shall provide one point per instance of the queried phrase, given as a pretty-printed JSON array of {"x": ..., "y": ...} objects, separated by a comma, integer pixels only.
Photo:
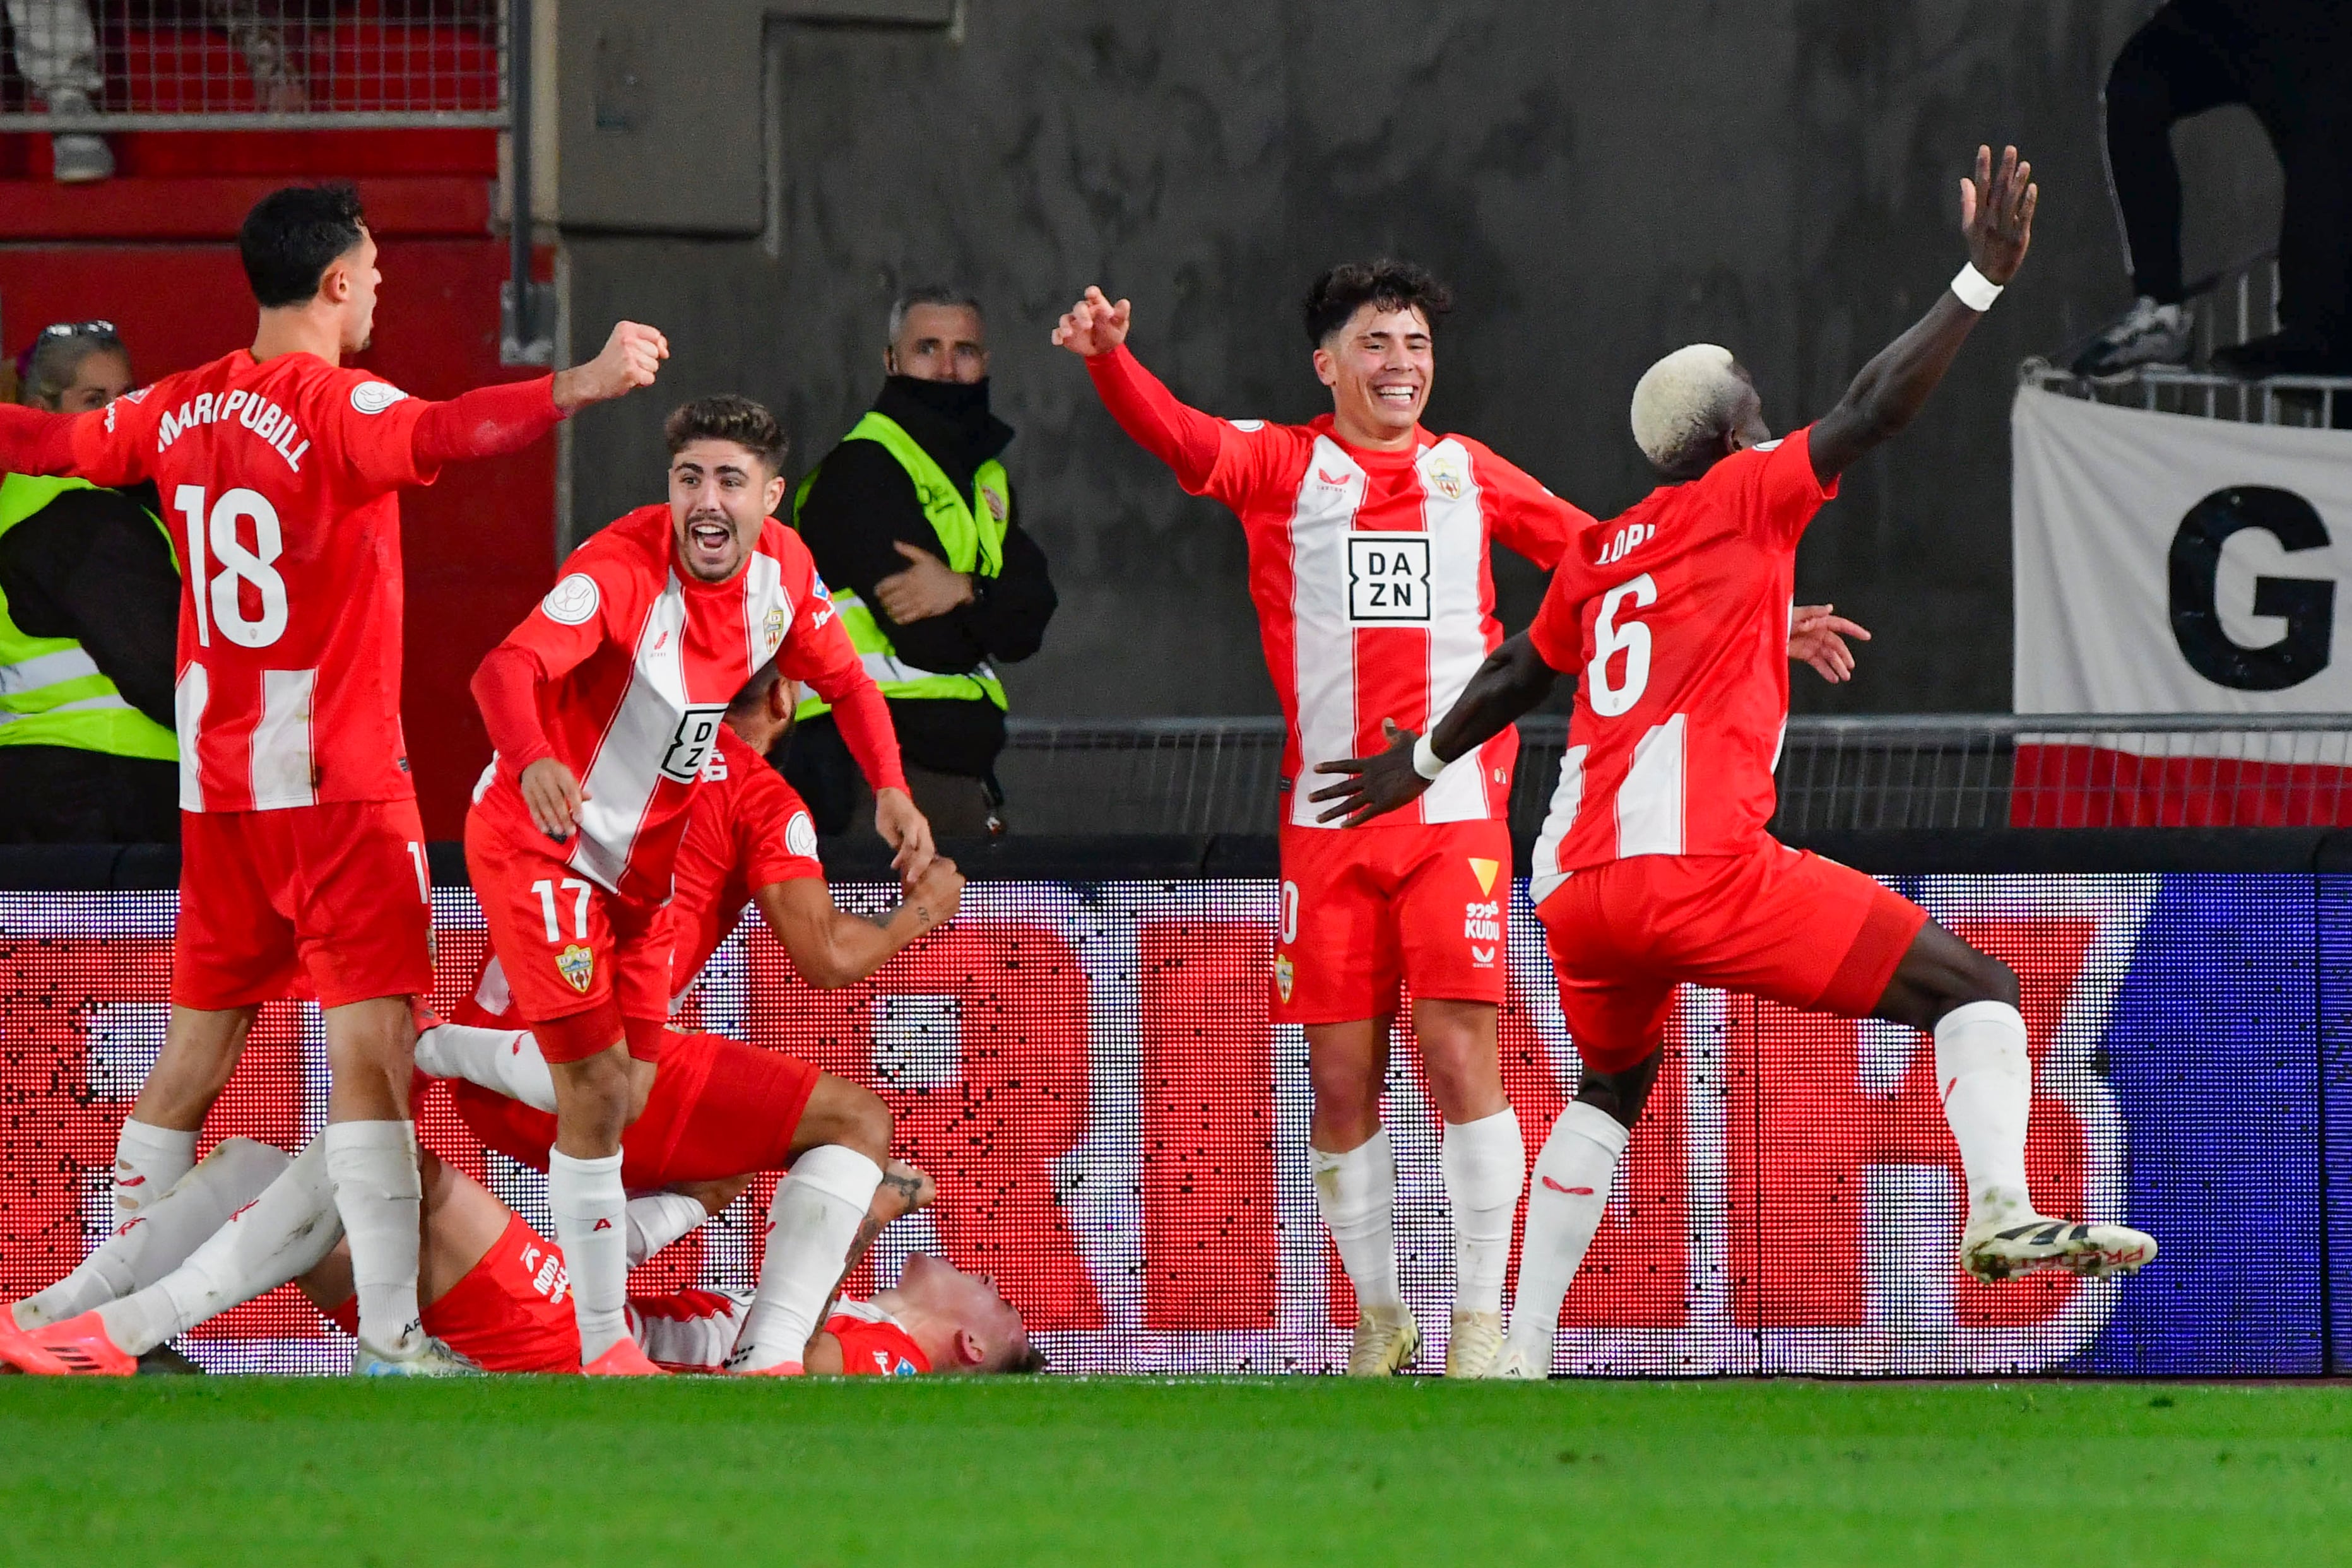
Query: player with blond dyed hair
[{"x": 1654, "y": 867}]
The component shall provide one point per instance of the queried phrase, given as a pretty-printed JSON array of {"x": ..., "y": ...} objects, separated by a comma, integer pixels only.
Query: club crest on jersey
[
  {"x": 577, "y": 965},
  {"x": 1388, "y": 578},
  {"x": 771, "y": 628},
  {"x": 1446, "y": 477},
  {"x": 1283, "y": 975}
]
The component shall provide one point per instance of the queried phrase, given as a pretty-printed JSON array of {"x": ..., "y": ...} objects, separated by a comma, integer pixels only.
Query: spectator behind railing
[
  {"x": 90, "y": 608},
  {"x": 56, "y": 54},
  {"x": 2290, "y": 61}
]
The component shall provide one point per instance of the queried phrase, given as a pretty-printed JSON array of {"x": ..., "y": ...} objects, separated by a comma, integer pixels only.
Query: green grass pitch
[{"x": 156, "y": 1472}]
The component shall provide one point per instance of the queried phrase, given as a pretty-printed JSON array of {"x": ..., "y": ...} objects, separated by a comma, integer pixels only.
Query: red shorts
[
  {"x": 718, "y": 1108},
  {"x": 329, "y": 901},
  {"x": 511, "y": 1312},
  {"x": 1363, "y": 908},
  {"x": 569, "y": 948},
  {"x": 1781, "y": 923}
]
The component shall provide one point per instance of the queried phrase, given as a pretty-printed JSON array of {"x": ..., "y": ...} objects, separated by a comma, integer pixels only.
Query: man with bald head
[{"x": 1654, "y": 868}]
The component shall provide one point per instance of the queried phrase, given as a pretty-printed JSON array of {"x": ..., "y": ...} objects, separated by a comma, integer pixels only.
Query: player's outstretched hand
[
  {"x": 631, "y": 358},
  {"x": 1997, "y": 214},
  {"x": 553, "y": 797},
  {"x": 1816, "y": 637},
  {"x": 1093, "y": 325},
  {"x": 1375, "y": 786},
  {"x": 906, "y": 831}
]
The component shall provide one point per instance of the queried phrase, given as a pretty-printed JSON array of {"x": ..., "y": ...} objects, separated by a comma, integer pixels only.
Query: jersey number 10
[{"x": 217, "y": 598}]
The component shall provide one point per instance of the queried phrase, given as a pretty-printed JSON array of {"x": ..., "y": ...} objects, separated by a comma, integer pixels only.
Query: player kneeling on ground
[
  {"x": 494, "y": 1290},
  {"x": 719, "y": 1107},
  {"x": 1654, "y": 867}
]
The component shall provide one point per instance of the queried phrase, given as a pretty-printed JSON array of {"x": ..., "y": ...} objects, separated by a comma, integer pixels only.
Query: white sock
[
  {"x": 504, "y": 1060},
  {"x": 809, "y": 1226},
  {"x": 591, "y": 1225},
  {"x": 148, "y": 1161},
  {"x": 1485, "y": 1167},
  {"x": 1356, "y": 1192},
  {"x": 658, "y": 1218},
  {"x": 278, "y": 1236},
  {"x": 1987, "y": 1082},
  {"x": 379, "y": 1195},
  {"x": 1573, "y": 1173},
  {"x": 158, "y": 1239}
]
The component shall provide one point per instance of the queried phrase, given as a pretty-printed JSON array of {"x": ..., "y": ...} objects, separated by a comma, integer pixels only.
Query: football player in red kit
[
  {"x": 494, "y": 1290},
  {"x": 302, "y": 862},
  {"x": 1369, "y": 542},
  {"x": 605, "y": 705},
  {"x": 719, "y": 1108},
  {"x": 1654, "y": 867}
]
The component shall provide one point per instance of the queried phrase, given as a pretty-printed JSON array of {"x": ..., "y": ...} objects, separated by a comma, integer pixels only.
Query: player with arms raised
[
  {"x": 605, "y": 707},
  {"x": 1654, "y": 867},
  {"x": 302, "y": 861},
  {"x": 1368, "y": 540}
]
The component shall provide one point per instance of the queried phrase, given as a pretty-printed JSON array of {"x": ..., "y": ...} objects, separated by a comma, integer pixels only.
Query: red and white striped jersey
[
  {"x": 1375, "y": 593},
  {"x": 1674, "y": 617},
  {"x": 640, "y": 662},
  {"x": 278, "y": 480}
]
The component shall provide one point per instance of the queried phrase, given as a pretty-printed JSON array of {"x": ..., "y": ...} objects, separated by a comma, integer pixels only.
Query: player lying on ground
[
  {"x": 605, "y": 706},
  {"x": 717, "y": 1107},
  {"x": 493, "y": 1290},
  {"x": 1654, "y": 868},
  {"x": 302, "y": 862},
  {"x": 1370, "y": 540}
]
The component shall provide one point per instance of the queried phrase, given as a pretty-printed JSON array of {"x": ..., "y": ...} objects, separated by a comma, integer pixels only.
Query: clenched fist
[{"x": 631, "y": 358}]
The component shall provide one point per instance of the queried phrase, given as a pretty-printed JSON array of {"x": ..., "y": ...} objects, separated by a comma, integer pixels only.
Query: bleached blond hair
[{"x": 1685, "y": 403}]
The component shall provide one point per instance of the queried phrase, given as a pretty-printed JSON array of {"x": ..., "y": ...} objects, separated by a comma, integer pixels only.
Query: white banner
[{"x": 2169, "y": 564}]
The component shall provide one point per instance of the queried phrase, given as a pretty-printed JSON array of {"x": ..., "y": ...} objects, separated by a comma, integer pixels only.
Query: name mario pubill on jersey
[{"x": 273, "y": 424}]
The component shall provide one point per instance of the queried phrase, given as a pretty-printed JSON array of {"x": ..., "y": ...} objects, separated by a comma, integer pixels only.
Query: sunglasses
[{"x": 77, "y": 329}]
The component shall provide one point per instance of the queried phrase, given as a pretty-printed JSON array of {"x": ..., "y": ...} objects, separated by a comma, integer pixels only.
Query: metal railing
[
  {"x": 2232, "y": 306},
  {"x": 105, "y": 65},
  {"x": 1836, "y": 774}
]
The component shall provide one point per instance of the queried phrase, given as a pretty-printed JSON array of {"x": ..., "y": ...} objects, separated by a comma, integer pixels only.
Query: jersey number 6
[
  {"x": 219, "y": 599},
  {"x": 1609, "y": 639}
]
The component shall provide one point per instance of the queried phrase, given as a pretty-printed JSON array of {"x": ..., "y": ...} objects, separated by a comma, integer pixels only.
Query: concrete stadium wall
[{"x": 1600, "y": 183}]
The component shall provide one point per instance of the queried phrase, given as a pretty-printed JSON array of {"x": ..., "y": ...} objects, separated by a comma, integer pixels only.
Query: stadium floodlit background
[{"x": 1117, "y": 1130}]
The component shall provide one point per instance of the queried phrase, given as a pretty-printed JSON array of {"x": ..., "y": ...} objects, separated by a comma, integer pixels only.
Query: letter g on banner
[{"x": 2306, "y": 604}]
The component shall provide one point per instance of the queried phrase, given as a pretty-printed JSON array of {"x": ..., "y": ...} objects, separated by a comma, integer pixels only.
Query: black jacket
[{"x": 863, "y": 501}]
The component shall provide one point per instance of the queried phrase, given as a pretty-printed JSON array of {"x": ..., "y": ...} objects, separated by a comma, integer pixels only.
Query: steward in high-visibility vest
[
  {"x": 89, "y": 619},
  {"x": 914, "y": 510}
]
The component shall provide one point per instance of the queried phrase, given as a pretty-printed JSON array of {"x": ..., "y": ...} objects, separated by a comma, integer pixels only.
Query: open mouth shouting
[{"x": 710, "y": 548}]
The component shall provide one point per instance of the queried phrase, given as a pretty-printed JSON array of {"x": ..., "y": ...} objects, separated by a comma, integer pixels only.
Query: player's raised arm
[
  {"x": 1185, "y": 438},
  {"x": 1997, "y": 218},
  {"x": 1509, "y": 685},
  {"x": 492, "y": 421},
  {"x": 105, "y": 445}
]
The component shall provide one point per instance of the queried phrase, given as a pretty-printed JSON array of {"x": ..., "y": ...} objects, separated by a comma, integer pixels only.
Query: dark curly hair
[
  {"x": 728, "y": 417},
  {"x": 1333, "y": 299},
  {"x": 292, "y": 236}
]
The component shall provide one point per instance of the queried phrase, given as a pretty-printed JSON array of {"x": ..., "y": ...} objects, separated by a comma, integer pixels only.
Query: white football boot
[
  {"x": 2005, "y": 1246},
  {"x": 1475, "y": 1340},
  {"x": 1516, "y": 1365},
  {"x": 1387, "y": 1340},
  {"x": 429, "y": 1358}
]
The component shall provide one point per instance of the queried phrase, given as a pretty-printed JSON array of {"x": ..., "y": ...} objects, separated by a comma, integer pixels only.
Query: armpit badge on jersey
[
  {"x": 1388, "y": 578},
  {"x": 577, "y": 965},
  {"x": 1283, "y": 975}
]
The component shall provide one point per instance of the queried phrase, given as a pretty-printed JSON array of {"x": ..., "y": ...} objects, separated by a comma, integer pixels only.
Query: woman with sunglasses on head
[
  {"x": 89, "y": 604},
  {"x": 74, "y": 367}
]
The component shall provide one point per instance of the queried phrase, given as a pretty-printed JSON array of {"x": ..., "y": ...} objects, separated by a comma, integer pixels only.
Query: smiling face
[
  {"x": 719, "y": 494},
  {"x": 1379, "y": 366},
  {"x": 988, "y": 1331}
]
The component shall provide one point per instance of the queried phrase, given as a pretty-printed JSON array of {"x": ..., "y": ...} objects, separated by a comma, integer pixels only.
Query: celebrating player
[
  {"x": 606, "y": 708},
  {"x": 302, "y": 861},
  {"x": 494, "y": 1290},
  {"x": 719, "y": 1106},
  {"x": 1654, "y": 867}
]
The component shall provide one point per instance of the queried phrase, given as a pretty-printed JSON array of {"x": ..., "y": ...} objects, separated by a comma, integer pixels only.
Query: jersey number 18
[{"x": 219, "y": 599}]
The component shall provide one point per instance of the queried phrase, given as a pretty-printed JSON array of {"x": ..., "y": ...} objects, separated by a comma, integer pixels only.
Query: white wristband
[
  {"x": 1426, "y": 760},
  {"x": 1976, "y": 290}
]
